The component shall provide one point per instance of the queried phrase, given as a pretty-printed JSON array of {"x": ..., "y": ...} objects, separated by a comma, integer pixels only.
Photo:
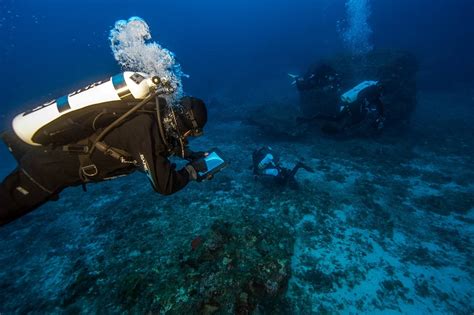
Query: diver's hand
[
  {"x": 195, "y": 155},
  {"x": 194, "y": 167}
]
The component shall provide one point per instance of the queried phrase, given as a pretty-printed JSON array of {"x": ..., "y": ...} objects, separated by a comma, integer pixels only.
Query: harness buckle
[
  {"x": 90, "y": 170},
  {"x": 125, "y": 160}
]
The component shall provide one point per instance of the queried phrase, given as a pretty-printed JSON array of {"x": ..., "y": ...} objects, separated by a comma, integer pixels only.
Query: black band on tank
[
  {"x": 121, "y": 87},
  {"x": 62, "y": 104}
]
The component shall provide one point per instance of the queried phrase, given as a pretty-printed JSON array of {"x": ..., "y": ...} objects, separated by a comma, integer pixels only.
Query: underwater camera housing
[{"x": 214, "y": 162}]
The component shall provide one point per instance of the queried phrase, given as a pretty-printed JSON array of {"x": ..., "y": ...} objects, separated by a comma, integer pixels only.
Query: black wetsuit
[
  {"x": 44, "y": 172},
  {"x": 367, "y": 108},
  {"x": 272, "y": 168}
]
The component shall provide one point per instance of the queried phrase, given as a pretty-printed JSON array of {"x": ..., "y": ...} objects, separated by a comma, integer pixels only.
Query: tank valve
[{"x": 156, "y": 80}]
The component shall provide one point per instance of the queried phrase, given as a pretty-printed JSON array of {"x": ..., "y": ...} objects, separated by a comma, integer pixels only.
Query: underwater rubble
[
  {"x": 320, "y": 88},
  {"x": 327, "y": 79},
  {"x": 235, "y": 268}
]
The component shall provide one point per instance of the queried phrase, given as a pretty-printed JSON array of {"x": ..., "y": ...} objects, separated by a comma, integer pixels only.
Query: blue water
[
  {"x": 237, "y": 55},
  {"x": 213, "y": 39}
]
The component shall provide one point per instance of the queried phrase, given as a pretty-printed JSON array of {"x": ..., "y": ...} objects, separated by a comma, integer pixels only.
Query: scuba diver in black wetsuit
[
  {"x": 360, "y": 105},
  {"x": 143, "y": 139},
  {"x": 265, "y": 164}
]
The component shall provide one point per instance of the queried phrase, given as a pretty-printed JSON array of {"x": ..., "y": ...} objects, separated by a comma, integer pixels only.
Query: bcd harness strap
[
  {"x": 88, "y": 170},
  {"x": 84, "y": 148}
]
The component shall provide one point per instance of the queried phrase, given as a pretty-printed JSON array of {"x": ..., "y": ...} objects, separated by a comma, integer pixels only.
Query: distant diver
[
  {"x": 266, "y": 165},
  {"x": 103, "y": 131},
  {"x": 324, "y": 77},
  {"x": 360, "y": 106}
]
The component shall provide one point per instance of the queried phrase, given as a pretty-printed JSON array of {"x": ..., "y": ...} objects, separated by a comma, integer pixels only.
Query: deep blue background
[{"x": 53, "y": 46}]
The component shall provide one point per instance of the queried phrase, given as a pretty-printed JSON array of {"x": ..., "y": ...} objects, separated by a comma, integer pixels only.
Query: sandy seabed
[{"x": 384, "y": 225}]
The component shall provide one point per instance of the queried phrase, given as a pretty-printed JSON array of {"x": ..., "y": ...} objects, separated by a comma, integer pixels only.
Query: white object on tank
[
  {"x": 270, "y": 172},
  {"x": 126, "y": 85},
  {"x": 351, "y": 95}
]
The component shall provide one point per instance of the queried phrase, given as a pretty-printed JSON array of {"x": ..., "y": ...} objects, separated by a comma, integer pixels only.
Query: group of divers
[{"x": 127, "y": 123}]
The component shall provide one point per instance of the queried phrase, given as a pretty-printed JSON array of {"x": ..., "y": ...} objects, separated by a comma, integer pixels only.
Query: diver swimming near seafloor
[
  {"x": 266, "y": 164},
  {"x": 108, "y": 130},
  {"x": 359, "y": 105}
]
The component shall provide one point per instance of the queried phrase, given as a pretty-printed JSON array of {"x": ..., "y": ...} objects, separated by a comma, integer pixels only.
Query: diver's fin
[
  {"x": 308, "y": 169},
  {"x": 305, "y": 167},
  {"x": 294, "y": 77}
]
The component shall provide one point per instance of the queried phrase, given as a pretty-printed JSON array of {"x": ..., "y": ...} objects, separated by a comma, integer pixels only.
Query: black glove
[
  {"x": 194, "y": 155},
  {"x": 194, "y": 167}
]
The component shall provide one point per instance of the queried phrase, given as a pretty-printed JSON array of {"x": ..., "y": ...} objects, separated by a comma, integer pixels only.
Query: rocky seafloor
[{"x": 384, "y": 225}]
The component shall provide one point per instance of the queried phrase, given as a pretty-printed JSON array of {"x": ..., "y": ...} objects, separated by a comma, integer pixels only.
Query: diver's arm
[
  {"x": 140, "y": 137},
  {"x": 162, "y": 174},
  {"x": 372, "y": 95},
  {"x": 191, "y": 155},
  {"x": 165, "y": 178}
]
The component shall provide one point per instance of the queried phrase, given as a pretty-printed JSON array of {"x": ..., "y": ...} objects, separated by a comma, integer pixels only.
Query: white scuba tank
[
  {"x": 351, "y": 95},
  {"x": 41, "y": 125}
]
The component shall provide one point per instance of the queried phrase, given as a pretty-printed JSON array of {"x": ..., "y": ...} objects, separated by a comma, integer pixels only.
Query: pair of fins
[{"x": 295, "y": 78}]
